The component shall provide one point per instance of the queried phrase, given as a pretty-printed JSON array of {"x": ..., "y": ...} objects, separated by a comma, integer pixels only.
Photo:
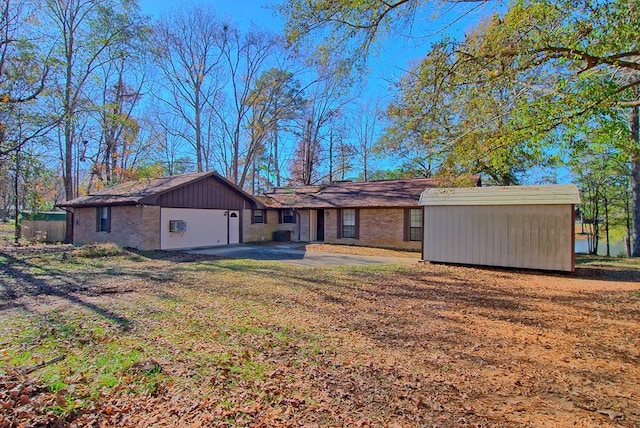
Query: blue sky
[
  {"x": 396, "y": 54},
  {"x": 393, "y": 58},
  {"x": 240, "y": 11}
]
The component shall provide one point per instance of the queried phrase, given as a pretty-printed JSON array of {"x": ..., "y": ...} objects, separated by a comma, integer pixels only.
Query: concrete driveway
[{"x": 289, "y": 254}]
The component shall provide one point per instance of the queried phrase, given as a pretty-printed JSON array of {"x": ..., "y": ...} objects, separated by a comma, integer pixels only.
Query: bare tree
[
  {"x": 84, "y": 29},
  {"x": 122, "y": 82},
  {"x": 246, "y": 57},
  {"x": 342, "y": 152},
  {"x": 23, "y": 65},
  {"x": 278, "y": 101},
  {"x": 365, "y": 123},
  {"x": 191, "y": 44},
  {"x": 326, "y": 97}
]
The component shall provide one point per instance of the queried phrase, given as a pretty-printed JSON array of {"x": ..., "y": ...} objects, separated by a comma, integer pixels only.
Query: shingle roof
[
  {"x": 144, "y": 191},
  {"x": 367, "y": 194}
]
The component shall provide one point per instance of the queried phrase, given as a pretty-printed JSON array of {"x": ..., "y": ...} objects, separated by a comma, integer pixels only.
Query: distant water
[{"x": 617, "y": 247}]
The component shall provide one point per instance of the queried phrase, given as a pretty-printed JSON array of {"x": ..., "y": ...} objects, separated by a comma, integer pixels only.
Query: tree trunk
[
  {"x": 276, "y": 154},
  {"x": 68, "y": 178},
  {"x": 595, "y": 223},
  {"x": 68, "y": 135},
  {"x": 198, "y": 123},
  {"x": 627, "y": 213},
  {"x": 253, "y": 177},
  {"x": 16, "y": 185},
  {"x": 235, "y": 162},
  {"x": 331, "y": 157},
  {"x": 606, "y": 225},
  {"x": 635, "y": 181},
  {"x": 308, "y": 155}
]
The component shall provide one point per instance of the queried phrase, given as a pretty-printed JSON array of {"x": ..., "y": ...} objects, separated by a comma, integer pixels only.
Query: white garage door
[{"x": 191, "y": 228}]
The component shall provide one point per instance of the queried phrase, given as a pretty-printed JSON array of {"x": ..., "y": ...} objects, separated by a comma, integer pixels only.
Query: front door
[
  {"x": 234, "y": 227},
  {"x": 320, "y": 226}
]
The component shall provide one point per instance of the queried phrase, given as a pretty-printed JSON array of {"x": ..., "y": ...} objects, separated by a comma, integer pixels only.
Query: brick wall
[
  {"x": 151, "y": 227},
  {"x": 379, "y": 227},
  {"x": 264, "y": 232},
  {"x": 260, "y": 231},
  {"x": 126, "y": 227}
]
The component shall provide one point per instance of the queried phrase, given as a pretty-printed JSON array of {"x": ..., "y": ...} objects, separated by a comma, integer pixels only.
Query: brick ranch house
[
  {"x": 205, "y": 209},
  {"x": 373, "y": 213}
]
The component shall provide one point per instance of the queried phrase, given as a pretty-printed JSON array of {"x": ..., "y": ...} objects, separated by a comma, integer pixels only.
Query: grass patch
[
  {"x": 99, "y": 250},
  {"x": 616, "y": 262},
  {"x": 66, "y": 406},
  {"x": 7, "y": 231},
  {"x": 157, "y": 339}
]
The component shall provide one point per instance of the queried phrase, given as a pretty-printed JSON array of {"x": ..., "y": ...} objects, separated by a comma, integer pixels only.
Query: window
[
  {"x": 258, "y": 216},
  {"x": 415, "y": 224},
  {"x": 288, "y": 216},
  {"x": 349, "y": 223},
  {"x": 103, "y": 219}
]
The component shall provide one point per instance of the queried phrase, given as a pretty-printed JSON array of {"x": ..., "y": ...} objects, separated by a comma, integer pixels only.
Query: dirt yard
[{"x": 161, "y": 339}]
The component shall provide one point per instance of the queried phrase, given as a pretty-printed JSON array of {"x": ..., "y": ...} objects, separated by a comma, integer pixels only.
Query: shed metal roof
[{"x": 502, "y": 195}]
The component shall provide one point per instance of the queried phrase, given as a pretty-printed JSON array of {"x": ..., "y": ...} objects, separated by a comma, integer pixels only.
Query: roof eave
[
  {"x": 92, "y": 204},
  {"x": 153, "y": 198}
]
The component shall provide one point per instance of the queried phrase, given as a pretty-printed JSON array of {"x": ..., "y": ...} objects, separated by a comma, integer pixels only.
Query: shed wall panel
[
  {"x": 535, "y": 237},
  {"x": 473, "y": 230}
]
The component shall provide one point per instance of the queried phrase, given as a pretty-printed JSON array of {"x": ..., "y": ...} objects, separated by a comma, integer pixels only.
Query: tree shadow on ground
[
  {"x": 599, "y": 272},
  {"x": 19, "y": 280}
]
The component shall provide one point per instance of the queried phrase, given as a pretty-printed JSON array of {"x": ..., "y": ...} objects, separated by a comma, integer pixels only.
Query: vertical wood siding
[
  {"x": 534, "y": 237},
  {"x": 207, "y": 193}
]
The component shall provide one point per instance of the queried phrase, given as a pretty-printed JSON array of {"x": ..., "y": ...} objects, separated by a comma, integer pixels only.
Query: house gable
[
  {"x": 195, "y": 190},
  {"x": 208, "y": 193}
]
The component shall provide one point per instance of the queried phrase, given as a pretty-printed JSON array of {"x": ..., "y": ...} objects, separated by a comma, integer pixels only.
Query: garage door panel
[{"x": 203, "y": 228}]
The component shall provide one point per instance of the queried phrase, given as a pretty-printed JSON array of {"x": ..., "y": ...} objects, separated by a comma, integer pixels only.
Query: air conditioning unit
[{"x": 177, "y": 226}]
